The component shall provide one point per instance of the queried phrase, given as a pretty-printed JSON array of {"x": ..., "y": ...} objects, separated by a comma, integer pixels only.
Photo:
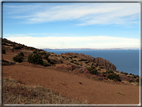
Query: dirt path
[{"x": 74, "y": 86}]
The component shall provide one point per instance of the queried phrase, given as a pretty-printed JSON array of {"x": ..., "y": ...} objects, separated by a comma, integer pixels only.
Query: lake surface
[{"x": 124, "y": 60}]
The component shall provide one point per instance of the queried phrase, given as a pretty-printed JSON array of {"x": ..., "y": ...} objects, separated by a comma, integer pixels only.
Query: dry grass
[{"x": 15, "y": 92}]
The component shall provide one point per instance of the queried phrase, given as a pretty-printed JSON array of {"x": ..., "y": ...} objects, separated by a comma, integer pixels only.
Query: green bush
[
  {"x": 104, "y": 74},
  {"x": 46, "y": 64},
  {"x": 82, "y": 60},
  {"x": 17, "y": 47},
  {"x": 51, "y": 61},
  {"x": 35, "y": 58},
  {"x": 131, "y": 81},
  {"x": 111, "y": 75},
  {"x": 137, "y": 80},
  {"x": 19, "y": 58},
  {"x": 101, "y": 67},
  {"x": 72, "y": 61},
  {"x": 94, "y": 71},
  {"x": 46, "y": 56},
  {"x": 125, "y": 73},
  {"x": 3, "y": 51},
  {"x": 21, "y": 54},
  {"x": 109, "y": 71},
  {"x": 34, "y": 51}
]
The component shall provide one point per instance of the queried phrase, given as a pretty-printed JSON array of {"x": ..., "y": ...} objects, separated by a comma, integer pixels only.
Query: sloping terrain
[{"x": 77, "y": 77}]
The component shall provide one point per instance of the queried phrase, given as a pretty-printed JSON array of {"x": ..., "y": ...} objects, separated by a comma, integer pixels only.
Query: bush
[
  {"x": 101, "y": 67},
  {"x": 130, "y": 74},
  {"x": 34, "y": 51},
  {"x": 46, "y": 64},
  {"x": 35, "y": 58},
  {"x": 3, "y": 51},
  {"x": 19, "y": 58},
  {"x": 82, "y": 60},
  {"x": 51, "y": 61},
  {"x": 125, "y": 73},
  {"x": 111, "y": 75},
  {"x": 94, "y": 71},
  {"x": 109, "y": 71},
  {"x": 21, "y": 54},
  {"x": 137, "y": 80},
  {"x": 43, "y": 53},
  {"x": 104, "y": 74},
  {"x": 46, "y": 56},
  {"x": 17, "y": 47},
  {"x": 72, "y": 61},
  {"x": 131, "y": 81}
]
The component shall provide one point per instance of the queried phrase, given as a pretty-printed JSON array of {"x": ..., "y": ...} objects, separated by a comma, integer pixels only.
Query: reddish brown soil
[{"x": 73, "y": 86}]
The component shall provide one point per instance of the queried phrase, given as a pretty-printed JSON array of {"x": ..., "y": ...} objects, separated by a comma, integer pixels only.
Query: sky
[{"x": 73, "y": 25}]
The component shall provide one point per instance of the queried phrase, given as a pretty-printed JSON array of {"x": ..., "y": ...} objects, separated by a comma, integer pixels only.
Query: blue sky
[{"x": 73, "y": 25}]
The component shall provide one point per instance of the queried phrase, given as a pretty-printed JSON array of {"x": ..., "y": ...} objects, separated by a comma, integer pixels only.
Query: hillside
[{"x": 73, "y": 72}]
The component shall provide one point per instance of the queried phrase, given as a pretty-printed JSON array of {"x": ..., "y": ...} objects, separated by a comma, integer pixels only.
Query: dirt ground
[{"x": 72, "y": 86}]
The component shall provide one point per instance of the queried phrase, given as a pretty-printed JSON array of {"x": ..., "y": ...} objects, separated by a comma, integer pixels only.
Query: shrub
[
  {"x": 131, "y": 81},
  {"x": 72, "y": 61},
  {"x": 125, "y": 73},
  {"x": 35, "y": 58},
  {"x": 109, "y": 71},
  {"x": 111, "y": 75},
  {"x": 101, "y": 67},
  {"x": 34, "y": 51},
  {"x": 21, "y": 54},
  {"x": 46, "y": 64},
  {"x": 3, "y": 51},
  {"x": 137, "y": 80},
  {"x": 130, "y": 73},
  {"x": 19, "y": 58},
  {"x": 51, "y": 61},
  {"x": 94, "y": 71},
  {"x": 43, "y": 53},
  {"x": 82, "y": 60},
  {"x": 46, "y": 56},
  {"x": 17, "y": 47},
  {"x": 104, "y": 74}
]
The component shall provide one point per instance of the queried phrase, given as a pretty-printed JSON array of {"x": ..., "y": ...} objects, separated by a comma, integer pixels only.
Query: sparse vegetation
[
  {"x": 93, "y": 70},
  {"x": 19, "y": 58},
  {"x": 131, "y": 81},
  {"x": 46, "y": 64},
  {"x": 18, "y": 47},
  {"x": 13, "y": 93},
  {"x": 111, "y": 75},
  {"x": 35, "y": 58}
]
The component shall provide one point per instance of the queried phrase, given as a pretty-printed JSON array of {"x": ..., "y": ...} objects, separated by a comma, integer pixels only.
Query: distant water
[{"x": 124, "y": 60}]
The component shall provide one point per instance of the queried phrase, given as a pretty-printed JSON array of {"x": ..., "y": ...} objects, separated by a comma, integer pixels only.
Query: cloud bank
[{"x": 98, "y": 42}]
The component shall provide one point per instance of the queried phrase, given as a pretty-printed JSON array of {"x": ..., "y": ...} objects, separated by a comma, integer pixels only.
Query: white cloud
[
  {"x": 98, "y": 42},
  {"x": 85, "y": 13}
]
